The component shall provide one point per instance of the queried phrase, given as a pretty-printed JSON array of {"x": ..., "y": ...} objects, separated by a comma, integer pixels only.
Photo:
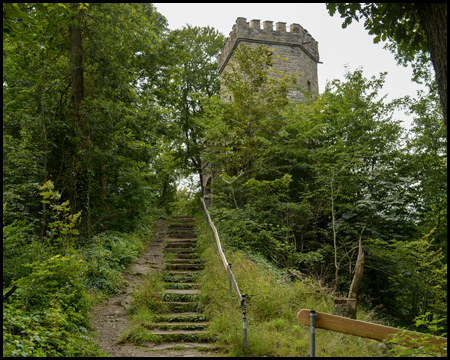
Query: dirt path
[{"x": 109, "y": 318}]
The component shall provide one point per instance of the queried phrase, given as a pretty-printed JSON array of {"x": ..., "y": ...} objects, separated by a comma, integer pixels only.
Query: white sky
[{"x": 337, "y": 46}]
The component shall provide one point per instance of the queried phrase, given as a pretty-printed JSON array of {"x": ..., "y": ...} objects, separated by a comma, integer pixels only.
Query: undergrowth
[
  {"x": 272, "y": 307},
  {"x": 52, "y": 285}
]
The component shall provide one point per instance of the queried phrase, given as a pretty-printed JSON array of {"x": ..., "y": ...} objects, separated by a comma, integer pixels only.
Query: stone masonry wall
[{"x": 294, "y": 52}]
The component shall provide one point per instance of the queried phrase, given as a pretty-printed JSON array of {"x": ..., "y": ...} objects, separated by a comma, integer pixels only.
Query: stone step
[
  {"x": 180, "y": 235},
  {"x": 178, "y": 225},
  {"x": 183, "y": 279},
  {"x": 186, "y": 261},
  {"x": 178, "y": 332},
  {"x": 179, "y": 298},
  {"x": 180, "y": 243},
  {"x": 175, "y": 278},
  {"x": 179, "y": 317},
  {"x": 182, "y": 276},
  {"x": 178, "y": 325},
  {"x": 179, "y": 250},
  {"x": 181, "y": 306},
  {"x": 173, "y": 259},
  {"x": 181, "y": 221},
  {"x": 183, "y": 291},
  {"x": 187, "y": 256},
  {"x": 180, "y": 240},
  {"x": 181, "y": 230},
  {"x": 183, "y": 273},
  {"x": 185, "y": 345},
  {"x": 181, "y": 286},
  {"x": 181, "y": 226},
  {"x": 184, "y": 266},
  {"x": 182, "y": 335}
]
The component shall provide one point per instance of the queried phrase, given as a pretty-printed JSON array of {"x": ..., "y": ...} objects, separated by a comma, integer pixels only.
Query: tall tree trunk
[
  {"x": 103, "y": 183},
  {"x": 433, "y": 18},
  {"x": 82, "y": 159},
  {"x": 76, "y": 68},
  {"x": 44, "y": 133}
]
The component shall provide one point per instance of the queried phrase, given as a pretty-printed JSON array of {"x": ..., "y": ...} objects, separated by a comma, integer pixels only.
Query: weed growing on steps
[
  {"x": 180, "y": 297},
  {"x": 177, "y": 318},
  {"x": 149, "y": 296},
  {"x": 146, "y": 303},
  {"x": 273, "y": 329},
  {"x": 169, "y": 257}
]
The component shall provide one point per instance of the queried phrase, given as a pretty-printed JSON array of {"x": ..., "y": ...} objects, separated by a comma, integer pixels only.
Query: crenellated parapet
[{"x": 296, "y": 38}]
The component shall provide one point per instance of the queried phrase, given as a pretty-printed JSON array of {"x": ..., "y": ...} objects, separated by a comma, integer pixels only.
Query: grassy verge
[{"x": 273, "y": 329}]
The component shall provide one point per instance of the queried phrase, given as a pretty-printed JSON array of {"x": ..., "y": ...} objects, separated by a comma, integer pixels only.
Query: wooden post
[{"x": 345, "y": 308}]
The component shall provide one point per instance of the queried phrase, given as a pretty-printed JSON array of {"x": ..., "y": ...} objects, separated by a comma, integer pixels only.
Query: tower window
[
  {"x": 309, "y": 85},
  {"x": 269, "y": 60}
]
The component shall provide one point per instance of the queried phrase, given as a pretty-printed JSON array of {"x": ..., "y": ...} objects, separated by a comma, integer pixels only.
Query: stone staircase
[{"x": 182, "y": 325}]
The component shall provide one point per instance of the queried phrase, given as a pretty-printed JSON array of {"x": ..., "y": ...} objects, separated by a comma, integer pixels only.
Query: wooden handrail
[
  {"x": 368, "y": 330},
  {"x": 222, "y": 255}
]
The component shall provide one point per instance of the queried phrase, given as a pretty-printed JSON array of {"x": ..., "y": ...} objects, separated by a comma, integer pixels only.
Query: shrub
[
  {"x": 19, "y": 248},
  {"x": 48, "y": 314},
  {"x": 422, "y": 345}
]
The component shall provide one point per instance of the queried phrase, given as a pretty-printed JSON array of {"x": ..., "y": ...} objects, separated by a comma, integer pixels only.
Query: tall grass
[{"x": 273, "y": 304}]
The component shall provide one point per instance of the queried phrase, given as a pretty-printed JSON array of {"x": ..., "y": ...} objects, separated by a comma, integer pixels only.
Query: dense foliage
[
  {"x": 301, "y": 184},
  {"x": 412, "y": 28},
  {"x": 98, "y": 101},
  {"x": 105, "y": 109}
]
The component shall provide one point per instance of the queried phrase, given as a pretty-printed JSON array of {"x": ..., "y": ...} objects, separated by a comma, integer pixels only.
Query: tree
[
  {"x": 413, "y": 27},
  {"x": 355, "y": 158},
  {"x": 127, "y": 77},
  {"x": 34, "y": 46},
  {"x": 107, "y": 132},
  {"x": 76, "y": 113},
  {"x": 194, "y": 80},
  {"x": 239, "y": 130},
  {"x": 81, "y": 124},
  {"x": 427, "y": 160}
]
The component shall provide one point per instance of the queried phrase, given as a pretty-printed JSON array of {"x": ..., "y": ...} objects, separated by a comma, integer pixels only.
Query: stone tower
[{"x": 294, "y": 52}]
